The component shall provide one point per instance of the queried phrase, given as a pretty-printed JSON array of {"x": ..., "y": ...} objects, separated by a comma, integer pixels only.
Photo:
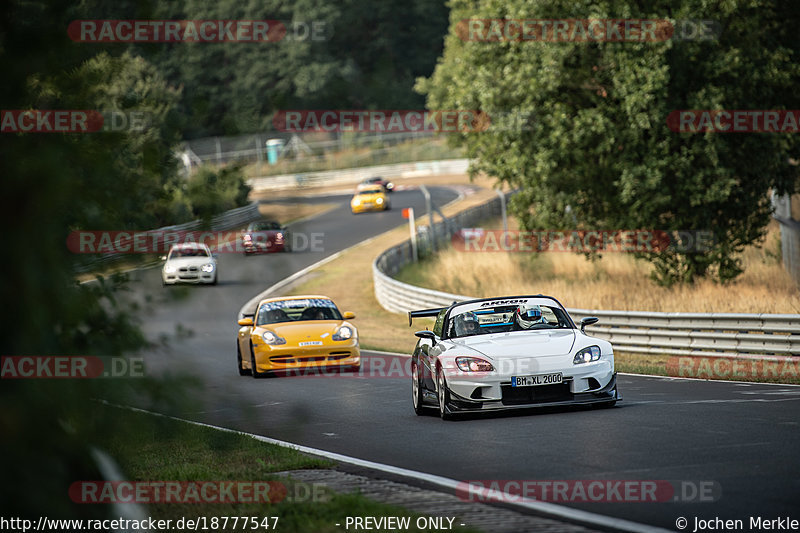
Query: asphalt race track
[{"x": 741, "y": 439}]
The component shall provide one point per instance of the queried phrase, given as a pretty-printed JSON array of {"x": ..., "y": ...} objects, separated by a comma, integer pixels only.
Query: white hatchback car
[{"x": 190, "y": 263}]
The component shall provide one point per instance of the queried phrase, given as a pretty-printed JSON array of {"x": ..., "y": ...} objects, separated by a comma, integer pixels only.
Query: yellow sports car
[
  {"x": 370, "y": 198},
  {"x": 297, "y": 332}
]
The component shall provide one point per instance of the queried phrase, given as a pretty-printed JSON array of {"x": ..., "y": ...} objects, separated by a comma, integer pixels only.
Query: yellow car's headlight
[
  {"x": 272, "y": 339},
  {"x": 342, "y": 334}
]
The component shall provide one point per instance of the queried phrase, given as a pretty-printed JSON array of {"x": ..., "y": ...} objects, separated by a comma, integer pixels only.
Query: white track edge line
[
  {"x": 675, "y": 378},
  {"x": 550, "y": 510}
]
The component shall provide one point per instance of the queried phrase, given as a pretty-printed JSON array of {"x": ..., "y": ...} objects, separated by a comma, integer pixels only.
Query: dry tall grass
[{"x": 617, "y": 281}]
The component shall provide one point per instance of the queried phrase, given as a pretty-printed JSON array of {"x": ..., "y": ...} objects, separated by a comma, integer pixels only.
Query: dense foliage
[{"x": 597, "y": 152}]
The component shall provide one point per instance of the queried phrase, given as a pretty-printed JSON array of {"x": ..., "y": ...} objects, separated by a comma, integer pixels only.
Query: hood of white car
[
  {"x": 180, "y": 262},
  {"x": 519, "y": 344}
]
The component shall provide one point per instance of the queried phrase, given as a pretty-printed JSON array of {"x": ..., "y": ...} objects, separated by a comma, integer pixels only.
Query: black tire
[
  {"x": 242, "y": 371},
  {"x": 416, "y": 390},
  {"x": 253, "y": 370},
  {"x": 443, "y": 394}
]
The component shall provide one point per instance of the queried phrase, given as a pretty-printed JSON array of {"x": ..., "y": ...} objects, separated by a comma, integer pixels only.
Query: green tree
[
  {"x": 52, "y": 184},
  {"x": 598, "y": 154},
  {"x": 368, "y": 56},
  {"x": 210, "y": 191}
]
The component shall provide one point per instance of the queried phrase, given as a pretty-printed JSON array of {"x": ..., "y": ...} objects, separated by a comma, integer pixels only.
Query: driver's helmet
[
  {"x": 527, "y": 316},
  {"x": 466, "y": 324}
]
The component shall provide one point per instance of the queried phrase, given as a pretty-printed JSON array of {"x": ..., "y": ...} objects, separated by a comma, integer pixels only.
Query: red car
[{"x": 264, "y": 237}]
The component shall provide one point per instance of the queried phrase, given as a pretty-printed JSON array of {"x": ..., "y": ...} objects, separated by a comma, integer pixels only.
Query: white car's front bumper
[
  {"x": 582, "y": 383},
  {"x": 188, "y": 276}
]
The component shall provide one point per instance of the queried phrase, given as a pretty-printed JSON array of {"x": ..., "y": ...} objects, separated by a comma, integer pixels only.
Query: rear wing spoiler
[{"x": 424, "y": 313}]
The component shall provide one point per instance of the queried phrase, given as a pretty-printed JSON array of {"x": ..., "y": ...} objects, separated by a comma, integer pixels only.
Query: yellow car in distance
[
  {"x": 297, "y": 333},
  {"x": 370, "y": 197}
]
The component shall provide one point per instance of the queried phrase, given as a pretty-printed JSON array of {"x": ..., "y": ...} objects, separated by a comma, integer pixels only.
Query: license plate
[
  {"x": 311, "y": 343},
  {"x": 537, "y": 379}
]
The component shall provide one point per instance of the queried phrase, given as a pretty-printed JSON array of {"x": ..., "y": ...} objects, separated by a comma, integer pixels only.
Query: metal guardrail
[
  {"x": 355, "y": 175},
  {"x": 705, "y": 334},
  {"x": 226, "y": 221}
]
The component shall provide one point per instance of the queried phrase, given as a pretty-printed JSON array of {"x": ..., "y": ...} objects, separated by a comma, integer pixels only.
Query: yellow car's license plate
[{"x": 537, "y": 379}]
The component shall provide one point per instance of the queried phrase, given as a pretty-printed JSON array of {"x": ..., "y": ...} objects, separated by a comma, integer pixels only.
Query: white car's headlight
[
  {"x": 587, "y": 355},
  {"x": 208, "y": 267},
  {"x": 169, "y": 269},
  {"x": 342, "y": 334},
  {"x": 473, "y": 364},
  {"x": 272, "y": 339}
]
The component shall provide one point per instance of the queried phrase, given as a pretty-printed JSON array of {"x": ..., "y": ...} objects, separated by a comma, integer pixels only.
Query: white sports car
[
  {"x": 189, "y": 263},
  {"x": 511, "y": 352}
]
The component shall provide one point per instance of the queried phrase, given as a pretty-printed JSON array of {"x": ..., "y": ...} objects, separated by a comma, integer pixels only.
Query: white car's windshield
[
  {"x": 188, "y": 252},
  {"x": 297, "y": 310},
  {"x": 504, "y": 318}
]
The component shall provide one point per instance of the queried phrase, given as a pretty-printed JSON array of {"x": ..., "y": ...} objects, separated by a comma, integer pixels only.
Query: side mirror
[
  {"x": 245, "y": 322},
  {"x": 347, "y": 315},
  {"x": 588, "y": 321},
  {"x": 426, "y": 334},
  {"x": 215, "y": 255}
]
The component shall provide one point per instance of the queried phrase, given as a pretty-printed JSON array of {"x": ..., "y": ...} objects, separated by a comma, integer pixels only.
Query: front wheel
[
  {"x": 242, "y": 371},
  {"x": 443, "y": 394},
  {"x": 416, "y": 390}
]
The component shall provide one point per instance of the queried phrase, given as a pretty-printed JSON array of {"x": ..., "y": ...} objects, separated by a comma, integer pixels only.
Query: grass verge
[
  {"x": 161, "y": 449},
  {"x": 612, "y": 281}
]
